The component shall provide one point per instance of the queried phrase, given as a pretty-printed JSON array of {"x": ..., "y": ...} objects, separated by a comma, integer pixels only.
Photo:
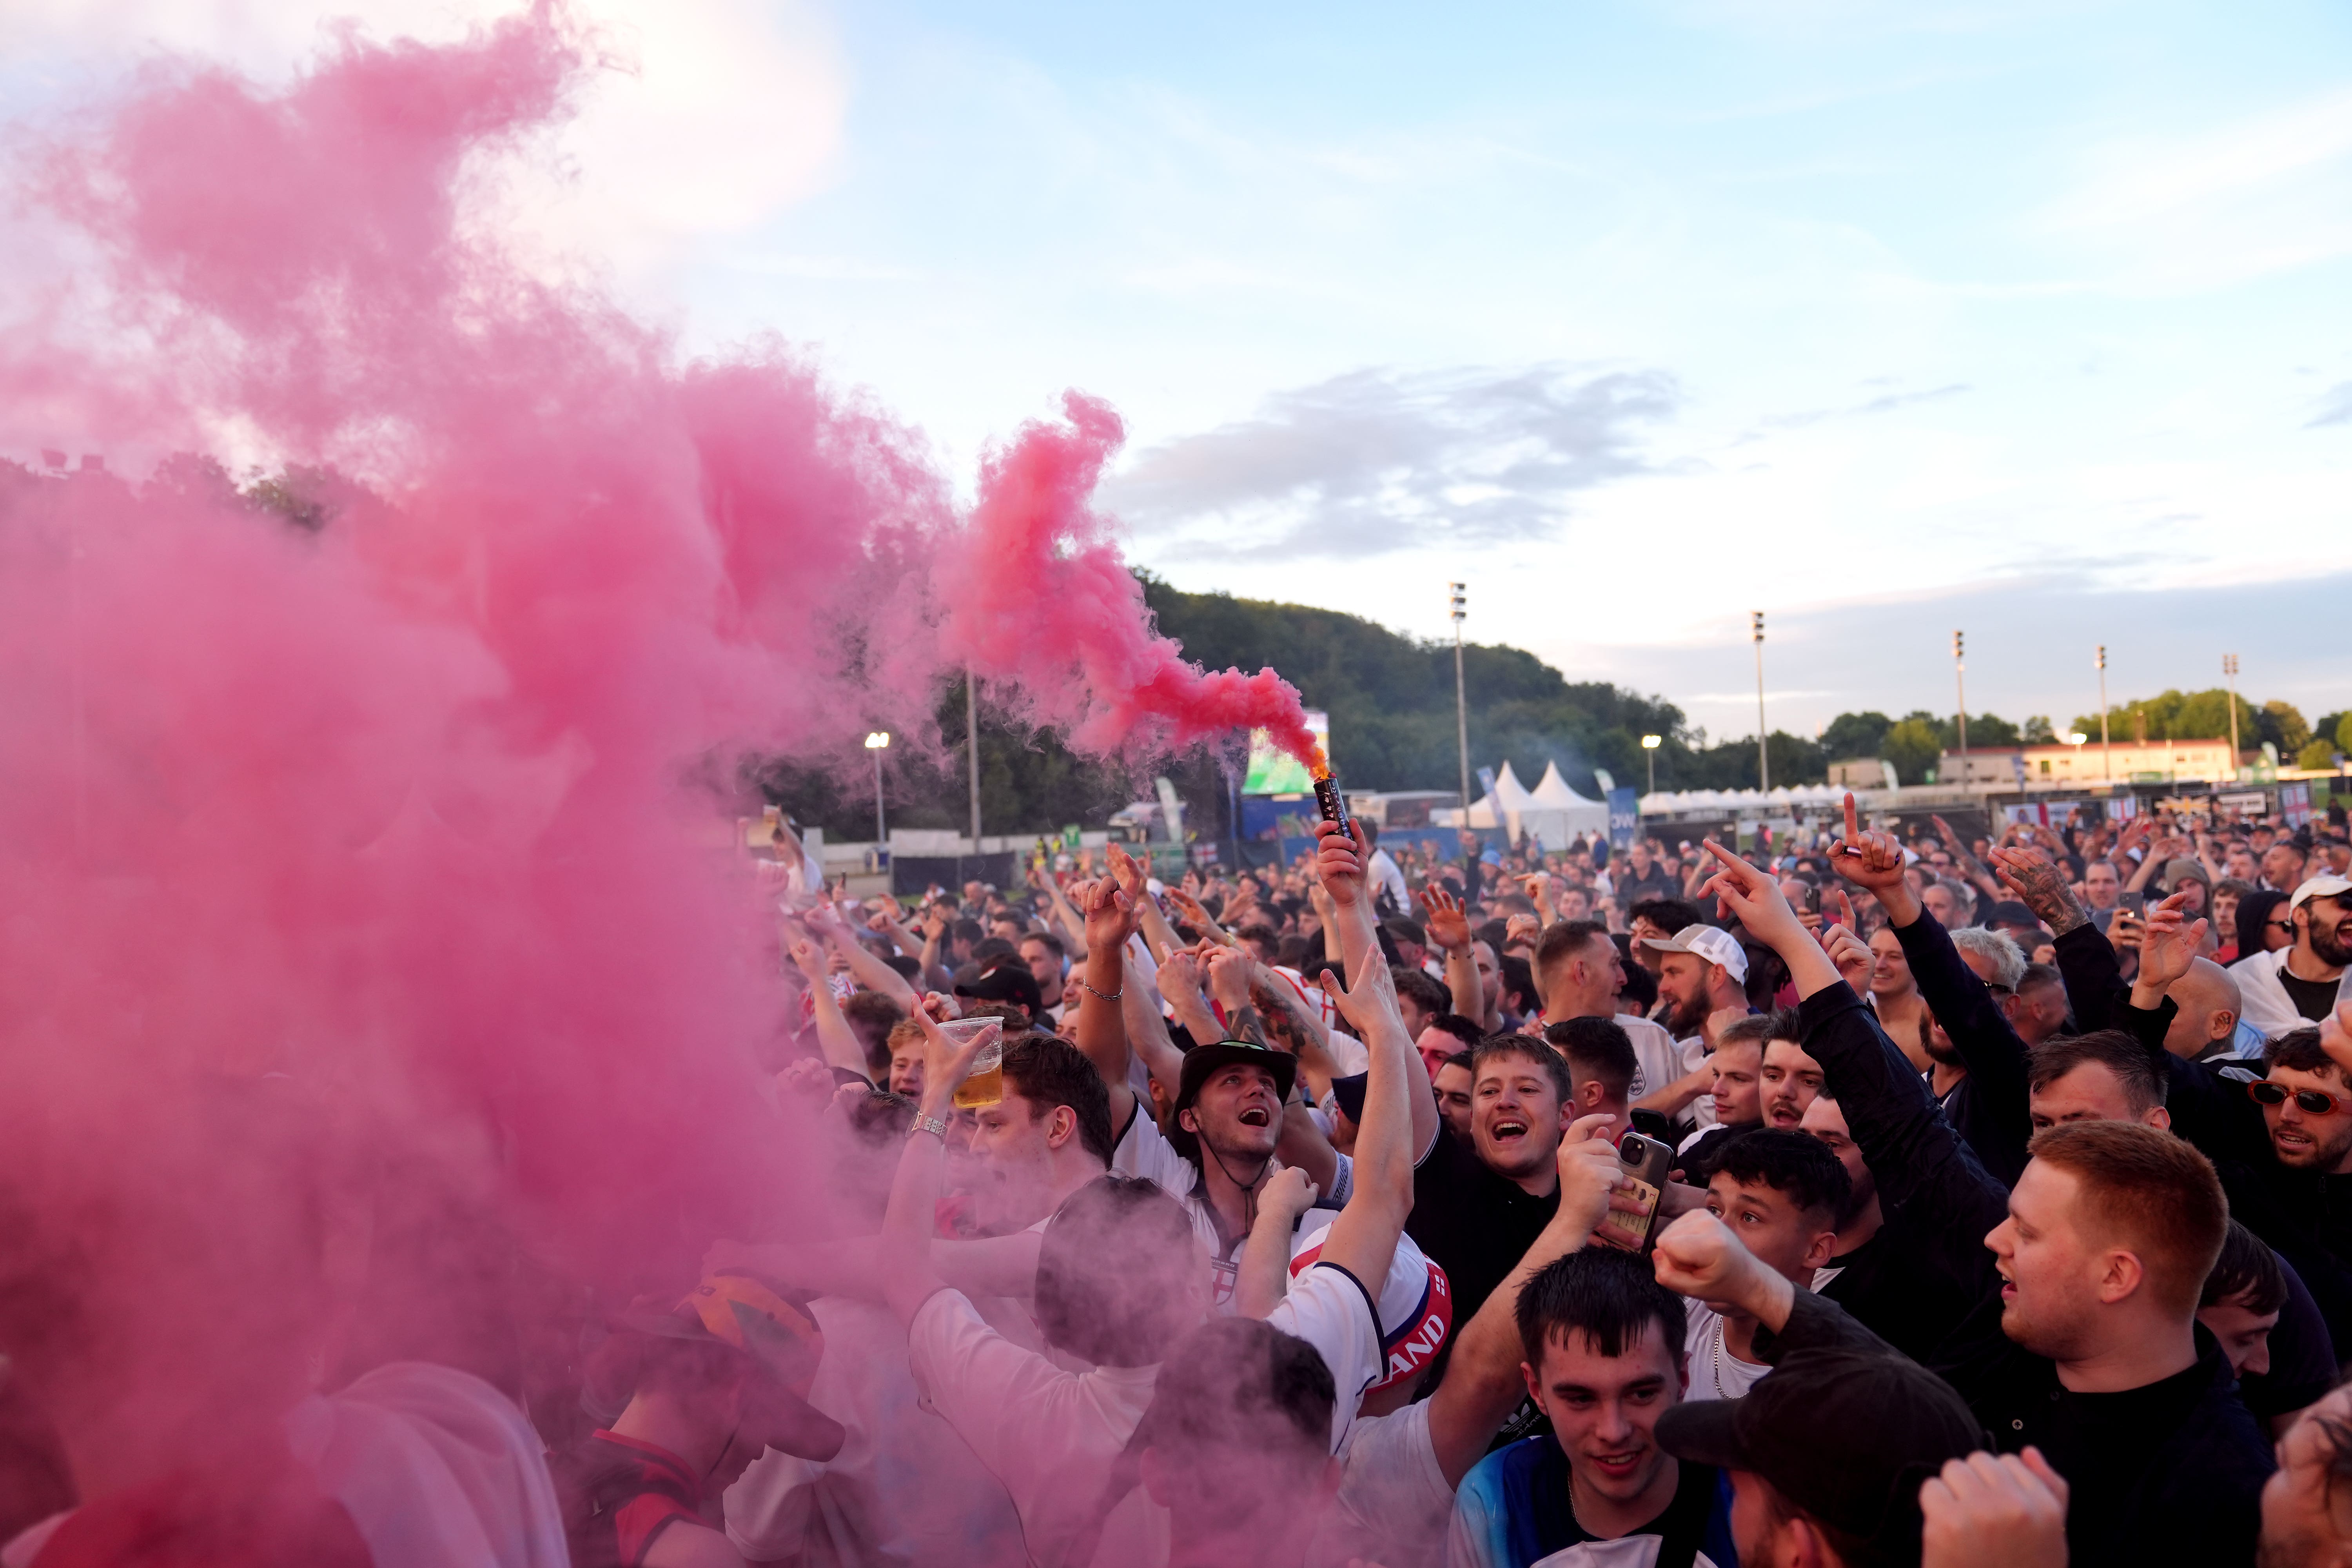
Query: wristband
[
  {"x": 1106, "y": 995},
  {"x": 930, "y": 1124}
]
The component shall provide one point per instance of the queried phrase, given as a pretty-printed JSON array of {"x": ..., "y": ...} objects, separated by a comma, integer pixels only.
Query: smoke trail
[
  {"x": 364, "y": 901},
  {"x": 1043, "y": 599}
]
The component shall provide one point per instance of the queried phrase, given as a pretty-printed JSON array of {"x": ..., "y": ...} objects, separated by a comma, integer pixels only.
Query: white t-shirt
[
  {"x": 1657, "y": 1061},
  {"x": 904, "y": 1489},
  {"x": 1694, "y": 1051},
  {"x": 1385, "y": 877},
  {"x": 1330, "y": 1309},
  {"x": 1394, "y": 1505},
  {"x": 1714, "y": 1371},
  {"x": 1143, "y": 1150},
  {"x": 1049, "y": 1436}
]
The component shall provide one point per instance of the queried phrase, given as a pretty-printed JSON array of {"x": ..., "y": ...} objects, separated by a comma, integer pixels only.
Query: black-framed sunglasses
[{"x": 2310, "y": 1101}]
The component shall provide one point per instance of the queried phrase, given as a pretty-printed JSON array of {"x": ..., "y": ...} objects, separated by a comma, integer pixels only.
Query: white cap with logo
[{"x": 1711, "y": 942}]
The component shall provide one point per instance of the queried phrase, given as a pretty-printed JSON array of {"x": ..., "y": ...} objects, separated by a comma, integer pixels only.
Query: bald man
[{"x": 2207, "y": 1024}]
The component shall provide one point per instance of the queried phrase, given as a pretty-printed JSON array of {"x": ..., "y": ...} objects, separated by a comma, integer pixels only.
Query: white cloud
[
  {"x": 2264, "y": 194},
  {"x": 709, "y": 116}
]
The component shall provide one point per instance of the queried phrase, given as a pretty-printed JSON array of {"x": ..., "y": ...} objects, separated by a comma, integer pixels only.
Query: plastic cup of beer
[{"x": 984, "y": 1084}]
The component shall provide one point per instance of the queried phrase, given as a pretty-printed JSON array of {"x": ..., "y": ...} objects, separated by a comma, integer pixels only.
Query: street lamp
[
  {"x": 2106, "y": 745},
  {"x": 1960, "y": 684},
  {"x": 2230, "y": 668},
  {"x": 877, "y": 742},
  {"x": 1461, "y": 694},
  {"x": 1650, "y": 750},
  {"x": 1763, "y": 760}
]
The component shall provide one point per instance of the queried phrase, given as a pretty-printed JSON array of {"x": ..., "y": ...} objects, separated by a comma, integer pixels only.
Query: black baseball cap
[
  {"x": 1847, "y": 1436},
  {"x": 1202, "y": 1061},
  {"x": 1349, "y": 1093},
  {"x": 1006, "y": 980}
]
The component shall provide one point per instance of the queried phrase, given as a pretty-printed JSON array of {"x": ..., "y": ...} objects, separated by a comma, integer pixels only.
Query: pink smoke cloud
[{"x": 390, "y": 846}]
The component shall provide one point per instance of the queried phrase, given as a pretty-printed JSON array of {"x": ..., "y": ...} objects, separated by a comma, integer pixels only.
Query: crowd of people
[{"x": 1887, "y": 1198}]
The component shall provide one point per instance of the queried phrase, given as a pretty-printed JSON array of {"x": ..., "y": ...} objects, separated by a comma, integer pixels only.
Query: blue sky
[{"x": 2033, "y": 318}]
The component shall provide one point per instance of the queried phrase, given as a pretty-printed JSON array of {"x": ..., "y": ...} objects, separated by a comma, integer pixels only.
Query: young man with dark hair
[
  {"x": 1048, "y": 961},
  {"x": 1891, "y": 1276},
  {"x": 1480, "y": 1201},
  {"x": 1452, "y": 1085},
  {"x": 1604, "y": 1342},
  {"x": 1662, "y": 918},
  {"x": 1446, "y": 1035},
  {"x": 2103, "y": 1076},
  {"x": 871, "y": 1017},
  {"x": 1781, "y": 1193},
  {"x": 1580, "y": 973},
  {"x": 1735, "y": 1098},
  {"x": 1422, "y": 998},
  {"x": 2041, "y": 1004},
  {"x": 2091, "y": 1350},
  {"x": 1601, "y": 1070},
  {"x": 1789, "y": 1078},
  {"x": 2243, "y": 1294}
]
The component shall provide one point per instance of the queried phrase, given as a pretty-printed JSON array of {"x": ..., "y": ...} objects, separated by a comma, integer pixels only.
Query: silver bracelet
[
  {"x": 930, "y": 1124},
  {"x": 1106, "y": 995}
]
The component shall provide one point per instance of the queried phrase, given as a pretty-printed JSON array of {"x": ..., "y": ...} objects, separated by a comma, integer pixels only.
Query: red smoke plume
[
  {"x": 1040, "y": 597},
  {"x": 365, "y": 896}
]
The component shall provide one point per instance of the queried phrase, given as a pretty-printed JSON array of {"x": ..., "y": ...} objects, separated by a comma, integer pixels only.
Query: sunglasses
[{"x": 2310, "y": 1101}]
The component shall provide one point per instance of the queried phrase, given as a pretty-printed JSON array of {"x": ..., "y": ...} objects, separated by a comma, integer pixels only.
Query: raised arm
[
  {"x": 903, "y": 1256},
  {"x": 1147, "y": 1031},
  {"x": 1102, "y": 1025},
  {"x": 1449, "y": 930},
  {"x": 864, "y": 967},
  {"x": 1363, "y": 1238},
  {"x": 1263, "y": 1277},
  {"x": 1988, "y": 1044},
  {"x": 835, "y": 1037},
  {"x": 1339, "y": 863},
  {"x": 1971, "y": 866},
  {"x": 1073, "y": 923},
  {"x": 1196, "y": 914},
  {"x": 1157, "y": 934},
  {"x": 1911, "y": 1149}
]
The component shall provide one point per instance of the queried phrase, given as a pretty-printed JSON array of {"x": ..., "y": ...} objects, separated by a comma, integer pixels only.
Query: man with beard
[
  {"x": 1604, "y": 1360},
  {"x": 2300, "y": 985},
  {"x": 1702, "y": 980}
]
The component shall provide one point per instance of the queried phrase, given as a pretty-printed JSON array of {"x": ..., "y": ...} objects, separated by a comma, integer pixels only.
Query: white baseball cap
[
  {"x": 2319, "y": 887},
  {"x": 1711, "y": 942}
]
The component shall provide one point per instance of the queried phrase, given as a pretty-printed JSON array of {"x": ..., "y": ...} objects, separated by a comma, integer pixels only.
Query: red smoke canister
[{"x": 1328, "y": 798}]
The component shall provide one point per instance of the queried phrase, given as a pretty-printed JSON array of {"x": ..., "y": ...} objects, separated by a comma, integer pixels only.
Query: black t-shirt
[
  {"x": 2315, "y": 999},
  {"x": 2303, "y": 1356},
  {"x": 1475, "y": 1224}
]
